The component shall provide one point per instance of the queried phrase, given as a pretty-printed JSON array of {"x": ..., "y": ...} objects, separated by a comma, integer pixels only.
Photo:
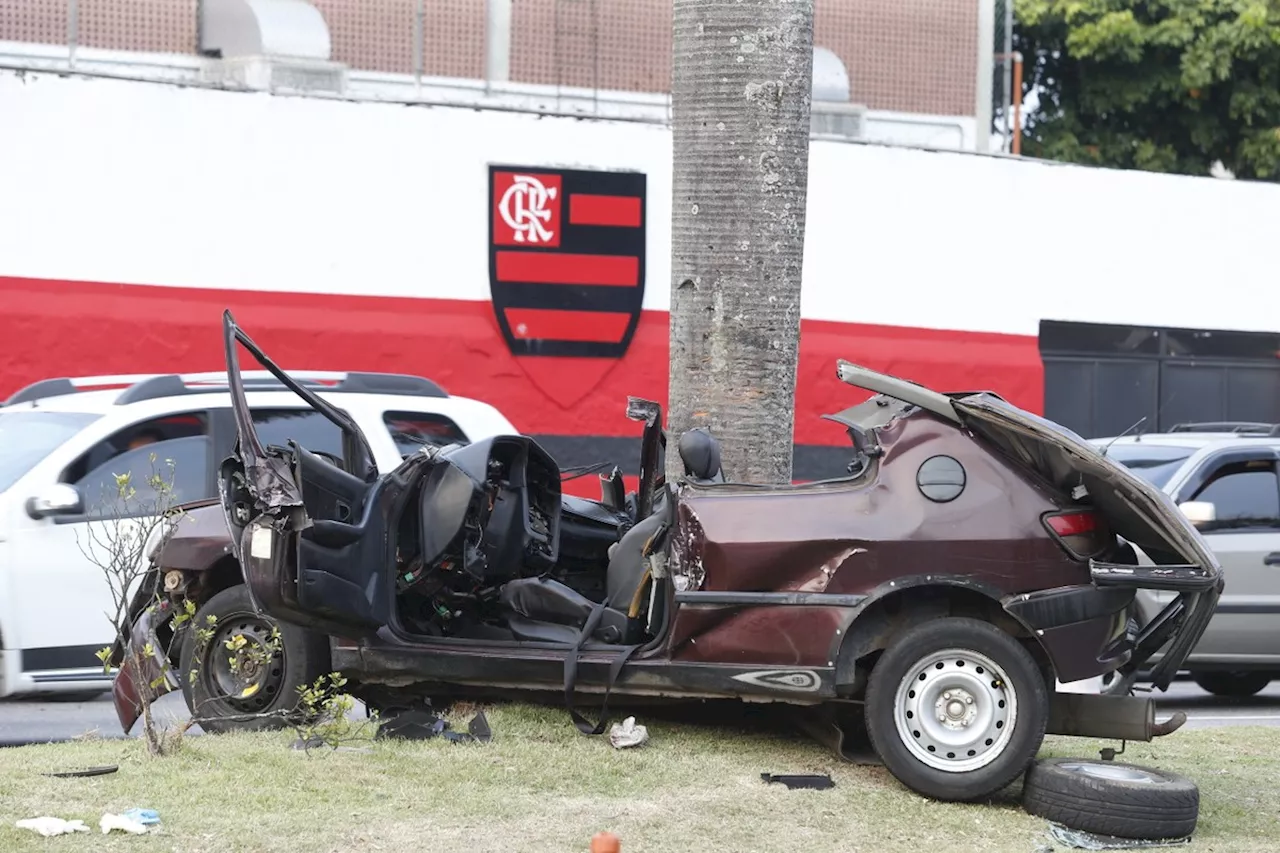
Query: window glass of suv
[
  {"x": 28, "y": 437},
  {"x": 1244, "y": 495},
  {"x": 137, "y": 435},
  {"x": 180, "y": 463},
  {"x": 1155, "y": 463},
  {"x": 307, "y": 427},
  {"x": 414, "y": 430}
]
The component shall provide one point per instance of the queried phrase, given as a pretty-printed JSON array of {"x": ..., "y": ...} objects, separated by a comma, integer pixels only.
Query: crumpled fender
[{"x": 140, "y": 675}]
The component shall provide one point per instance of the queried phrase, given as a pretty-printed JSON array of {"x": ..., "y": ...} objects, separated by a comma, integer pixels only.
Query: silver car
[{"x": 1226, "y": 478}]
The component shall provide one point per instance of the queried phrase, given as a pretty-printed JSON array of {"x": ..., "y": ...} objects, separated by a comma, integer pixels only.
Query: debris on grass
[
  {"x": 423, "y": 725},
  {"x": 111, "y": 822},
  {"x": 81, "y": 774},
  {"x": 816, "y": 781},
  {"x": 627, "y": 734},
  {"x": 1080, "y": 840},
  {"x": 51, "y": 826},
  {"x": 146, "y": 817}
]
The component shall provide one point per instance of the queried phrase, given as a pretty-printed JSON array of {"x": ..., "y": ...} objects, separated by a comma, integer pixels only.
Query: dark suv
[{"x": 974, "y": 554}]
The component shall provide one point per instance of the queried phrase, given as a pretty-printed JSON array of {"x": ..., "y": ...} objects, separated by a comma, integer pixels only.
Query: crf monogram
[{"x": 524, "y": 209}]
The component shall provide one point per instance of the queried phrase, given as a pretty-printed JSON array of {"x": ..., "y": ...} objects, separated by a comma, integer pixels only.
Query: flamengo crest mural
[{"x": 566, "y": 271}]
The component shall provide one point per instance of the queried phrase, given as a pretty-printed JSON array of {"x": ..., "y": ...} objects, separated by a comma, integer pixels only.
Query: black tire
[
  {"x": 1236, "y": 685},
  {"x": 1006, "y": 755},
  {"x": 1094, "y": 796},
  {"x": 303, "y": 658}
]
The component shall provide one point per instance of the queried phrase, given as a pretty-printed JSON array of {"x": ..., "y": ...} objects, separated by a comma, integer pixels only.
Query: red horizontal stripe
[
  {"x": 52, "y": 328},
  {"x": 551, "y": 325},
  {"x": 564, "y": 268},
  {"x": 618, "y": 210}
]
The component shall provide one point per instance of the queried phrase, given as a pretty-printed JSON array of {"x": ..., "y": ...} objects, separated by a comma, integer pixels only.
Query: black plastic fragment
[
  {"x": 424, "y": 725},
  {"x": 816, "y": 781},
  {"x": 80, "y": 774},
  {"x": 412, "y": 725},
  {"x": 479, "y": 728}
]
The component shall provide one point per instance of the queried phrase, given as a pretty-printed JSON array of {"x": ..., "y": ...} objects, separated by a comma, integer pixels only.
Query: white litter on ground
[
  {"x": 627, "y": 734},
  {"x": 50, "y": 826}
]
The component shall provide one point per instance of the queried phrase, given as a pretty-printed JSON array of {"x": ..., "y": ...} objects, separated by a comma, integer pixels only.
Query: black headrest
[{"x": 700, "y": 453}]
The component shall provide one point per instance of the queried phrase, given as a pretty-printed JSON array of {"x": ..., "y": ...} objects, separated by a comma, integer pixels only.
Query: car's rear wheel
[
  {"x": 260, "y": 688},
  {"x": 956, "y": 709},
  {"x": 1234, "y": 684}
]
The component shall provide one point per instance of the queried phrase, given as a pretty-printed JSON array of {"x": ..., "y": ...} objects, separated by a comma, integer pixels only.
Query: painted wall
[{"x": 356, "y": 236}]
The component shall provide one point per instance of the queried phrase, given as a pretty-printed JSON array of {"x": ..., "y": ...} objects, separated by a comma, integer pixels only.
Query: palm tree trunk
[{"x": 741, "y": 84}]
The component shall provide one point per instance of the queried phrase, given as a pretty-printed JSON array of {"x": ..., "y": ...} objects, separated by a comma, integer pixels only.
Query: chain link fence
[{"x": 908, "y": 56}]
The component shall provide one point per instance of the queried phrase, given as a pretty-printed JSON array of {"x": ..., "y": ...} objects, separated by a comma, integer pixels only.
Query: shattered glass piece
[{"x": 1081, "y": 840}]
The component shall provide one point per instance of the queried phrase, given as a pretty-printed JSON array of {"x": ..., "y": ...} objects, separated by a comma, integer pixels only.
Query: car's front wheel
[
  {"x": 956, "y": 709},
  {"x": 244, "y": 680}
]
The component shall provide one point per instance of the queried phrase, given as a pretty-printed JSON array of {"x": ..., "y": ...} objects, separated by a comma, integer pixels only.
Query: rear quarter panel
[{"x": 854, "y": 537}]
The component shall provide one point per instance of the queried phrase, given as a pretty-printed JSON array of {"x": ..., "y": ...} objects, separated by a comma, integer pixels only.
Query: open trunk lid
[{"x": 1135, "y": 509}]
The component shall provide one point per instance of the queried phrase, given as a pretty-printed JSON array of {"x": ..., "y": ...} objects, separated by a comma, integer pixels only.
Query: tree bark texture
[{"x": 741, "y": 86}]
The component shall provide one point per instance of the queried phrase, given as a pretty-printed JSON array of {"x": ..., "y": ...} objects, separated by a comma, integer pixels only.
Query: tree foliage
[{"x": 1158, "y": 85}]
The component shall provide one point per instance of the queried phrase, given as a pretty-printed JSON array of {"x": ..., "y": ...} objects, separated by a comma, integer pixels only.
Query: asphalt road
[{"x": 31, "y": 721}]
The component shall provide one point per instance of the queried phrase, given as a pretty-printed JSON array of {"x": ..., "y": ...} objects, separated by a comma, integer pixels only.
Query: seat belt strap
[{"x": 571, "y": 674}]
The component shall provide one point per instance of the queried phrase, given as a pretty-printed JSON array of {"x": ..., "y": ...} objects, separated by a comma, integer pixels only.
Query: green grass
[{"x": 540, "y": 786}]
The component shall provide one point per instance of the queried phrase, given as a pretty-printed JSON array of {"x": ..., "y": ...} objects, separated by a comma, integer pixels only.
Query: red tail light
[
  {"x": 1080, "y": 532},
  {"x": 1073, "y": 523}
]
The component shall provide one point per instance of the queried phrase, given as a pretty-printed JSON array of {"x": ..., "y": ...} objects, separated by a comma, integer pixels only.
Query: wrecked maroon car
[{"x": 973, "y": 556}]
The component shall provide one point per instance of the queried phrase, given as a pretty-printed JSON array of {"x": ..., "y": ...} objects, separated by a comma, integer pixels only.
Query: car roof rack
[
  {"x": 1234, "y": 427},
  {"x": 139, "y": 387}
]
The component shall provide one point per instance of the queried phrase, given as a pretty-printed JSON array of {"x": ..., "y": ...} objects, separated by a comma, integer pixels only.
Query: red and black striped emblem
[{"x": 566, "y": 270}]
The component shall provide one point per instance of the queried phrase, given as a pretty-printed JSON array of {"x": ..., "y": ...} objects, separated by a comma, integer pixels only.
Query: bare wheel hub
[{"x": 955, "y": 710}]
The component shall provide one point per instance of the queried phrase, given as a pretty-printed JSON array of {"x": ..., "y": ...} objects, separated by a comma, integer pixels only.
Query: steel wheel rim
[
  {"x": 222, "y": 682},
  {"x": 1112, "y": 772},
  {"x": 976, "y": 700}
]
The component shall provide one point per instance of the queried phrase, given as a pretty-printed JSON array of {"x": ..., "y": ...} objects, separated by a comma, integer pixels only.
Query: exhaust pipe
[{"x": 1108, "y": 717}]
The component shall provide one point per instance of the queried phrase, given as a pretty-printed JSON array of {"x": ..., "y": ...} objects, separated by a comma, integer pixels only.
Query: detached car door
[
  {"x": 1244, "y": 488},
  {"x": 305, "y": 527}
]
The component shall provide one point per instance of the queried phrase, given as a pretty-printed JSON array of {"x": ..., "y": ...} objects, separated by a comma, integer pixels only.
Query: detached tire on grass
[
  {"x": 1109, "y": 798},
  {"x": 224, "y": 700}
]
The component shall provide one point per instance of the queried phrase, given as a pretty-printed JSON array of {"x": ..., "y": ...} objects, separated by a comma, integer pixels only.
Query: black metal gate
[{"x": 1099, "y": 380}]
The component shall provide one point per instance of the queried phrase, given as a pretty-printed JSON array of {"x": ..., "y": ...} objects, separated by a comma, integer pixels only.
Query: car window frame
[
  {"x": 89, "y": 516},
  {"x": 384, "y": 413},
  {"x": 255, "y": 411},
  {"x": 1210, "y": 472}
]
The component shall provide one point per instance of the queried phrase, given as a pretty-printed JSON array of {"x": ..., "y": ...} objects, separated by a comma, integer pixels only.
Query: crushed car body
[{"x": 972, "y": 554}]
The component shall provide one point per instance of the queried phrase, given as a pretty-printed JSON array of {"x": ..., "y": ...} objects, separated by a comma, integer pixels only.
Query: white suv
[{"x": 63, "y": 441}]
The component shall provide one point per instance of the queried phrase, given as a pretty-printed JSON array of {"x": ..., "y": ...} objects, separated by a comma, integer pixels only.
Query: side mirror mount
[
  {"x": 1199, "y": 512},
  {"x": 58, "y": 499}
]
